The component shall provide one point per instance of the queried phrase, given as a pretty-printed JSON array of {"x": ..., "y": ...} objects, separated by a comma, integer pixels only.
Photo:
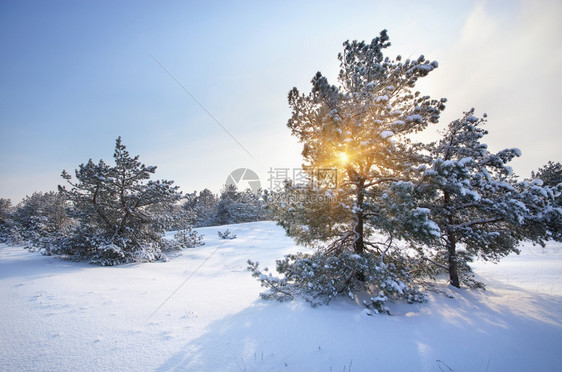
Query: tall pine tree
[
  {"x": 359, "y": 128},
  {"x": 360, "y": 165}
]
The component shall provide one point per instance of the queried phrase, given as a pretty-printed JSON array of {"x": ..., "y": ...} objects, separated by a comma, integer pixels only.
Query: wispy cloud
[{"x": 506, "y": 62}]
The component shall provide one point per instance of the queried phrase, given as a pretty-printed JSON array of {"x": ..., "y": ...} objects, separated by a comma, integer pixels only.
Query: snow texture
[{"x": 64, "y": 316}]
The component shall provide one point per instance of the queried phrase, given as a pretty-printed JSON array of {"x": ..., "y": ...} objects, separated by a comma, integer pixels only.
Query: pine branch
[
  {"x": 436, "y": 263},
  {"x": 474, "y": 223},
  {"x": 381, "y": 180}
]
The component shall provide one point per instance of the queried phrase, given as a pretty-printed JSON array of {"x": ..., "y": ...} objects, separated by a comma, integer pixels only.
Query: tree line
[{"x": 112, "y": 214}]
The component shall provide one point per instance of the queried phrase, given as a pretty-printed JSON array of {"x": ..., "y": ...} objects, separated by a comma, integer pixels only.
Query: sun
[{"x": 343, "y": 157}]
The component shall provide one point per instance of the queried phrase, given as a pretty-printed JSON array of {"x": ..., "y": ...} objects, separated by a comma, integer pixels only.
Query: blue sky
[{"x": 75, "y": 75}]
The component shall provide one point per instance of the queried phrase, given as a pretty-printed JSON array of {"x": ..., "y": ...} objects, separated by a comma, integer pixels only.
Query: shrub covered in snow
[
  {"x": 319, "y": 278},
  {"x": 188, "y": 238},
  {"x": 227, "y": 234}
]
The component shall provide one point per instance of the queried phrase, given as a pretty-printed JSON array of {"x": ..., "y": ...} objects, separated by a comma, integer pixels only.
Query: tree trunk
[
  {"x": 452, "y": 249},
  {"x": 453, "y": 267},
  {"x": 358, "y": 244}
]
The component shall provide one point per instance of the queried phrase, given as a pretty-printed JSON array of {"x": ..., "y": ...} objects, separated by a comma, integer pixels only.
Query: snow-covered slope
[{"x": 63, "y": 316}]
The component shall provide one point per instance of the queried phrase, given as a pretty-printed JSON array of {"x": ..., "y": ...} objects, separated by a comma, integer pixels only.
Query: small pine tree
[
  {"x": 227, "y": 234},
  {"x": 188, "y": 238},
  {"x": 228, "y": 208},
  {"x": 121, "y": 212}
]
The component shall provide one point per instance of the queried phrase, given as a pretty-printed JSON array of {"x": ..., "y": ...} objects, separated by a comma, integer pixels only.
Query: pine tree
[
  {"x": 203, "y": 206},
  {"x": 41, "y": 220},
  {"x": 360, "y": 164},
  {"x": 5, "y": 210},
  {"x": 476, "y": 200},
  {"x": 228, "y": 207},
  {"x": 6, "y": 223},
  {"x": 121, "y": 211},
  {"x": 551, "y": 175},
  {"x": 359, "y": 128},
  {"x": 239, "y": 206}
]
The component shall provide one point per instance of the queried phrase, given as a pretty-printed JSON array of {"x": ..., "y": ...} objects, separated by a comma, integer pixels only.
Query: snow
[
  {"x": 383, "y": 98},
  {"x": 425, "y": 67},
  {"x": 466, "y": 160},
  {"x": 66, "y": 316},
  {"x": 430, "y": 172},
  {"x": 540, "y": 190},
  {"x": 464, "y": 191},
  {"x": 433, "y": 229},
  {"x": 417, "y": 118},
  {"x": 386, "y": 134},
  {"x": 538, "y": 182}
]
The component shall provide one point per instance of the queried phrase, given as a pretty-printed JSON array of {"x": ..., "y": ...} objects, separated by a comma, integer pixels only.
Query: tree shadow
[
  {"x": 271, "y": 336},
  {"x": 476, "y": 328}
]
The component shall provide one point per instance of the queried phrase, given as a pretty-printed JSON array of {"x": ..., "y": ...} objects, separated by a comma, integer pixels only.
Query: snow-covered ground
[{"x": 64, "y": 316}]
